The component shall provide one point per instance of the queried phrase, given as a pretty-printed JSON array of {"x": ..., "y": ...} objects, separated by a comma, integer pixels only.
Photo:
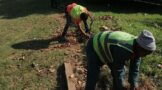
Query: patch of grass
[{"x": 27, "y": 20}]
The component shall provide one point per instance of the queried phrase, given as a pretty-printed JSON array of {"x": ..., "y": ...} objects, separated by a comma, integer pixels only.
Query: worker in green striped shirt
[{"x": 114, "y": 49}]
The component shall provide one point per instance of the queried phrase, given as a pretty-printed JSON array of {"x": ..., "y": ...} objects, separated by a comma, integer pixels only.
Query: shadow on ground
[
  {"x": 61, "y": 78},
  {"x": 33, "y": 44},
  {"x": 37, "y": 44},
  {"x": 10, "y": 9}
]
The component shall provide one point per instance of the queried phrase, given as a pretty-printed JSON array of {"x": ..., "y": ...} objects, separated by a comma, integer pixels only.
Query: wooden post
[{"x": 68, "y": 74}]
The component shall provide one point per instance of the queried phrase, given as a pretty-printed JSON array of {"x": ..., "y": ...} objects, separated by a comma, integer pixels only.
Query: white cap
[{"x": 146, "y": 40}]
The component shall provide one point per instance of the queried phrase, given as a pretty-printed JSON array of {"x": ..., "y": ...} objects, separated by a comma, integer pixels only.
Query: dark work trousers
[
  {"x": 93, "y": 66},
  {"x": 68, "y": 22}
]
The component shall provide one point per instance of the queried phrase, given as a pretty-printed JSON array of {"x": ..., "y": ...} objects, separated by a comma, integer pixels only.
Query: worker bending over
[
  {"x": 114, "y": 48},
  {"x": 75, "y": 14}
]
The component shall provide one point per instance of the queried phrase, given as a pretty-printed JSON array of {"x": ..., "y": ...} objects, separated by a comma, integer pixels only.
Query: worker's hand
[
  {"x": 89, "y": 35},
  {"x": 92, "y": 18}
]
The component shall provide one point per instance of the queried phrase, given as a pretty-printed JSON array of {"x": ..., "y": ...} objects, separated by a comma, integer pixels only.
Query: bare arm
[{"x": 80, "y": 29}]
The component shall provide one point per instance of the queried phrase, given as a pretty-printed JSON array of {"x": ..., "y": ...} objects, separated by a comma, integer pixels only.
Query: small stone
[
  {"x": 52, "y": 70},
  {"x": 71, "y": 76},
  {"x": 22, "y": 58},
  {"x": 159, "y": 66},
  {"x": 104, "y": 28},
  {"x": 79, "y": 82},
  {"x": 34, "y": 65},
  {"x": 79, "y": 70}
]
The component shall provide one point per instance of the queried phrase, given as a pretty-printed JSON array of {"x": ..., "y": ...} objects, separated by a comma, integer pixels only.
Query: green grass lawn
[{"x": 34, "y": 21}]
